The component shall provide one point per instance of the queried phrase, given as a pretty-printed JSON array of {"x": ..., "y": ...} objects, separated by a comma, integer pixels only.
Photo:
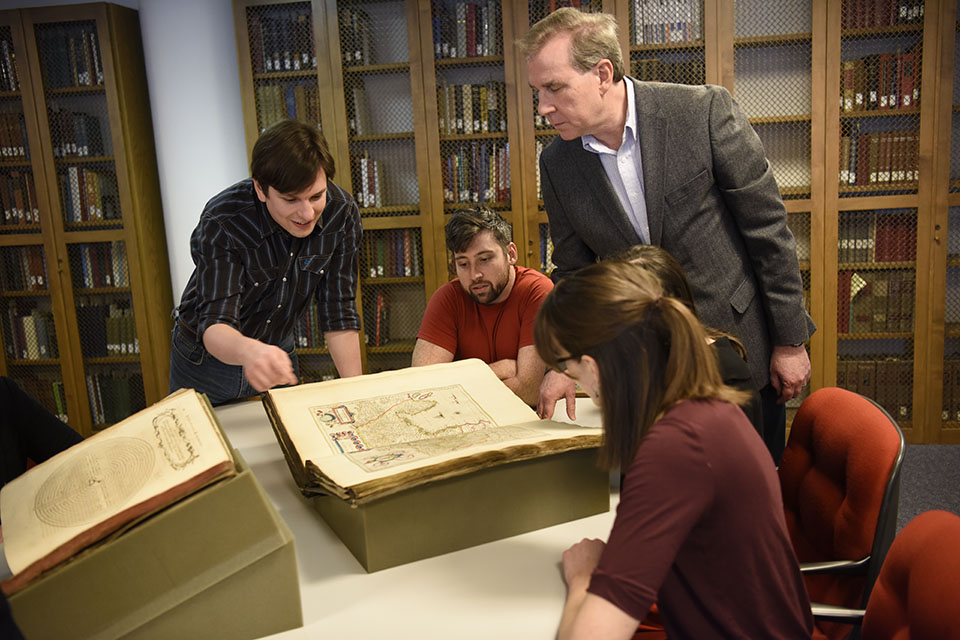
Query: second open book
[{"x": 367, "y": 437}]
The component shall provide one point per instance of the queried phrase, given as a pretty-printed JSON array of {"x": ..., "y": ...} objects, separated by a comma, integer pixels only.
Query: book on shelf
[
  {"x": 365, "y": 438},
  {"x": 9, "y": 77},
  {"x": 109, "y": 482}
]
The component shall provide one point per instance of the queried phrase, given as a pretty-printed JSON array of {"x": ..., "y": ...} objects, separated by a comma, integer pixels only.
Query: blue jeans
[{"x": 193, "y": 367}]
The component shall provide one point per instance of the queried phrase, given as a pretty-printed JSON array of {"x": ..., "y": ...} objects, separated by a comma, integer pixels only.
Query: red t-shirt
[
  {"x": 492, "y": 332},
  {"x": 700, "y": 531}
]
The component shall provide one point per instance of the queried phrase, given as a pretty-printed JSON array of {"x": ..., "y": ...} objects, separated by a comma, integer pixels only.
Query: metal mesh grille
[
  {"x": 951, "y": 350},
  {"x": 881, "y": 58},
  {"x": 799, "y": 224},
  {"x": 377, "y": 92},
  {"x": 284, "y": 63},
  {"x": 666, "y": 41},
  {"x": 773, "y": 49},
  {"x": 107, "y": 330},
  {"x": 875, "y": 307},
  {"x": 471, "y": 103},
  {"x": 540, "y": 9},
  {"x": 77, "y": 114},
  {"x": 391, "y": 266},
  {"x": 546, "y": 250},
  {"x": 19, "y": 212},
  {"x": 28, "y": 329},
  {"x": 314, "y": 359}
]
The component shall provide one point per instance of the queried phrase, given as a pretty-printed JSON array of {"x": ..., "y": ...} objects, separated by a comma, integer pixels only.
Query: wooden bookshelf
[
  {"x": 787, "y": 64},
  {"x": 86, "y": 288}
]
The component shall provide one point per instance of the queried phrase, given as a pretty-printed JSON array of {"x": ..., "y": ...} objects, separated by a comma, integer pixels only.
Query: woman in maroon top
[{"x": 700, "y": 527}]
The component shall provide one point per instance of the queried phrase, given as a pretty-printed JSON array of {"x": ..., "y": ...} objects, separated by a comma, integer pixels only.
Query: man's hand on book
[
  {"x": 266, "y": 366},
  {"x": 555, "y": 385}
]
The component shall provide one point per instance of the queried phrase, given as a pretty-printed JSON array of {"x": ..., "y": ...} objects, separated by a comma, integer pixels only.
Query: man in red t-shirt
[{"x": 488, "y": 311}]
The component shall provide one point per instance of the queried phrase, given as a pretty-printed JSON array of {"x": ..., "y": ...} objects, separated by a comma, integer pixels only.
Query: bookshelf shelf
[
  {"x": 400, "y": 135},
  {"x": 887, "y": 335},
  {"x": 34, "y": 362},
  {"x": 391, "y": 67},
  {"x": 313, "y": 351},
  {"x": 885, "y": 187},
  {"x": 303, "y": 74},
  {"x": 877, "y": 266},
  {"x": 134, "y": 359},
  {"x": 879, "y": 113},
  {"x": 393, "y": 347},
  {"x": 667, "y": 46},
  {"x": 803, "y": 117},
  {"x": 15, "y": 164},
  {"x": 70, "y": 160},
  {"x": 453, "y": 137},
  {"x": 9, "y": 95},
  {"x": 394, "y": 280},
  {"x": 777, "y": 40},
  {"x": 101, "y": 291},
  {"x": 496, "y": 205},
  {"x": 77, "y": 91},
  {"x": 38, "y": 293},
  {"x": 475, "y": 61}
]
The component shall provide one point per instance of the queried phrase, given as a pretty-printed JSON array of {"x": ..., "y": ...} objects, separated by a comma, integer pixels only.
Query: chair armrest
[
  {"x": 844, "y": 567},
  {"x": 831, "y": 613}
]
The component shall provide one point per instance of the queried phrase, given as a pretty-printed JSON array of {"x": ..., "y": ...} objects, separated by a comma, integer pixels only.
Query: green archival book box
[
  {"x": 467, "y": 510},
  {"x": 218, "y": 564}
]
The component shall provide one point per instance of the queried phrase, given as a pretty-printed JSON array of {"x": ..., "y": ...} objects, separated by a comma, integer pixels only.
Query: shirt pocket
[
  {"x": 310, "y": 270},
  {"x": 743, "y": 295},
  {"x": 261, "y": 277}
]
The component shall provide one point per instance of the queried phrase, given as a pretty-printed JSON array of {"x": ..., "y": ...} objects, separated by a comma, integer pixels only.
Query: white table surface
[{"x": 512, "y": 588}]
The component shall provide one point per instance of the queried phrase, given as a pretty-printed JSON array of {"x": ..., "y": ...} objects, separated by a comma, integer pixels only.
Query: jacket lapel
[
  {"x": 601, "y": 199},
  {"x": 652, "y": 128}
]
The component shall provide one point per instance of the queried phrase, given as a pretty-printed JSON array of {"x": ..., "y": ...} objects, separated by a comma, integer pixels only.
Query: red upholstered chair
[
  {"x": 915, "y": 595},
  {"x": 840, "y": 481}
]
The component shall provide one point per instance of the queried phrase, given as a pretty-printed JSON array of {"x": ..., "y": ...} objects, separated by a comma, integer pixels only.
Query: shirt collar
[{"x": 593, "y": 145}]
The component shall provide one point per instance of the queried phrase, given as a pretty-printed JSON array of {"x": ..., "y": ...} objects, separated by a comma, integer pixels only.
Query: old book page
[
  {"x": 126, "y": 471},
  {"x": 366, "y": 437}
]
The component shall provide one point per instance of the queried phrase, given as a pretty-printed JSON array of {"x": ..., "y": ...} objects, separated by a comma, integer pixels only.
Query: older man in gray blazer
[{"x": 675, "y": 166}]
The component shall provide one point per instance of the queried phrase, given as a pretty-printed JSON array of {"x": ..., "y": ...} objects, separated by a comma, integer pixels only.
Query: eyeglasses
[{"x": 561, "y": 365}]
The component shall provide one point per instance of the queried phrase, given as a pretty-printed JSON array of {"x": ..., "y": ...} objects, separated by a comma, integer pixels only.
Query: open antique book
[
  {"x": 110, "y": 481},
  {"x": 367, "y": 437}
]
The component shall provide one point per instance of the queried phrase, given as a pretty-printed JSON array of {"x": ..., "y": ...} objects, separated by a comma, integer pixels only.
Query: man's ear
[
  {"x": 261, "y": 193},
  {"x": 605, "y": 74},
  {"x": 512, "y": 253}
]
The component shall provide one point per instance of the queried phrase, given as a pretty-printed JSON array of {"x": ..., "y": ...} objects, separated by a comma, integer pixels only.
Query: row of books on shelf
[
  {"x": 30, "y": 335},
  {"x": 472, "y": 108},
  {"x": 875, "y": 301},
  {"x": 281, "y": 40},
  {"x": 477, "y": 172},
  {"x": 102, "y": 264},
  {"x": 70, "y": 56},
  {"x": 951, "y": 391},
  {"x": 376, "y": 320},
  {"x": 356, "y": 37},
  {"x": 863, "y": 14},
  {"x": 13, "y": 136},
  {"x": 88, "y": 195},
  {"x": 665, "y": 21},
  {"x": 881, "y": 81},
  {"x": 879, "y": 158},
  {"x": 466, "y": 29},
  {"x": 18, "y": 198},
  {"x": 9, "y": 78},
  {"x": 367, "y": 180},
  {"x": 276, "y": 102},
  {"x": 391, "y": 253},
  {"x": 75, "y": 134},
  {"x": 888, "y": 382},
  {"x": 546, "y": 250},
  {"x": 48, "y": 392},
  {"x": 869, "y": 236},
  {"x": 308, "y": 332},
  {"x": 656, "y": 70},
  {"x": 107, "y": 330},
  {"x": 114, "y": 396},
  {"x": 23, "y": 268}
]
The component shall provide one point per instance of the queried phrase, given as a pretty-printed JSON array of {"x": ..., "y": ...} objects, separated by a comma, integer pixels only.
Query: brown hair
[
  {"x": 289, "y": 155},
  {"x": 594, "y": 38},
  {"x": 465, "y": 224},
  {"x": 664, "y": 266},
  {"x": 650, "y": 349}
]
